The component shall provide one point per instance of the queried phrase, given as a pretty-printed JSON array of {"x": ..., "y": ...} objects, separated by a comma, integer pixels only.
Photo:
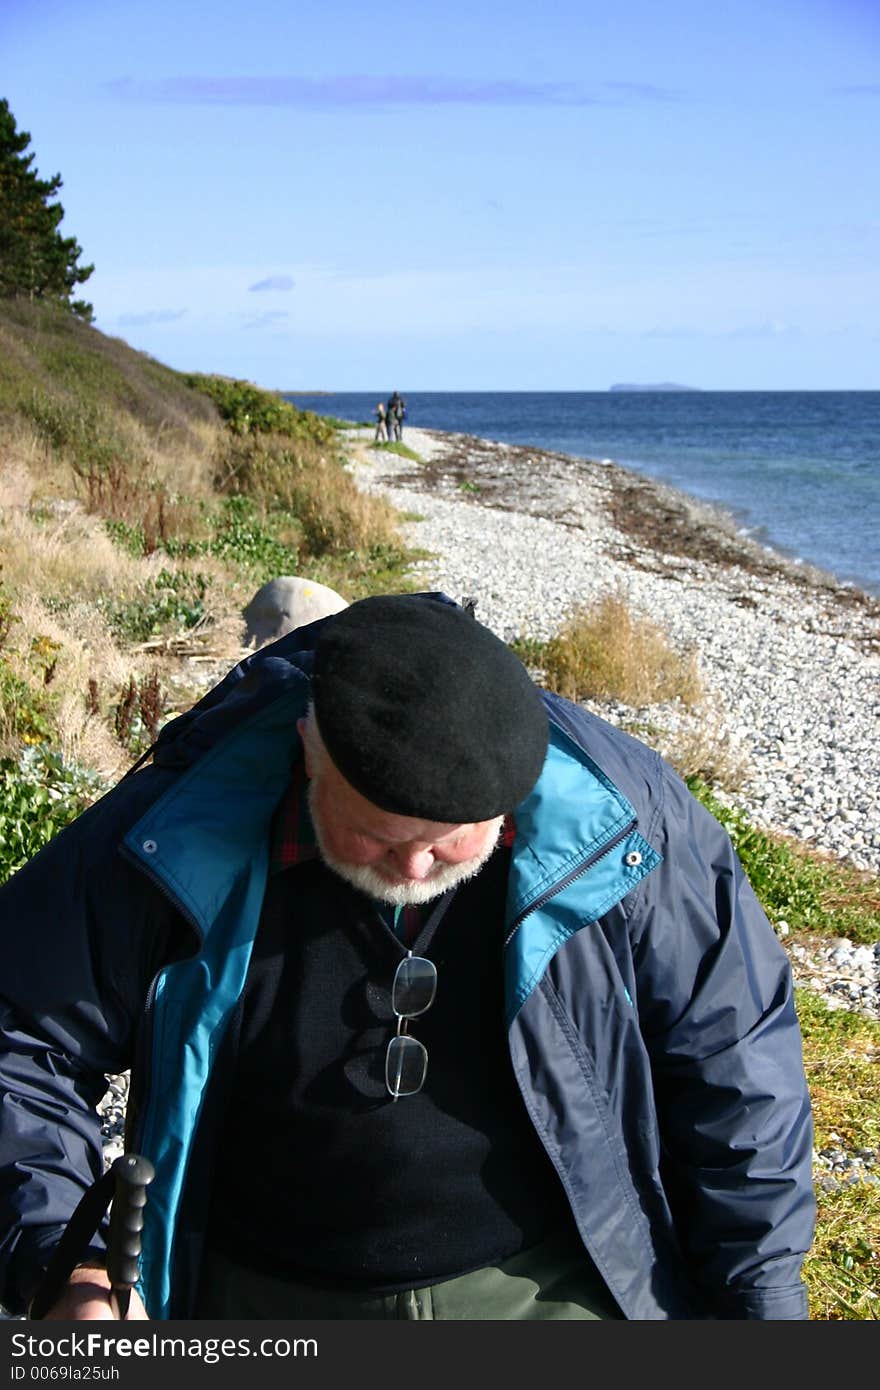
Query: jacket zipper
[
  {"x": 539, "y": 902},
  {"x": 569, "y": 878},
  {"x": 145, "y": 1034}
]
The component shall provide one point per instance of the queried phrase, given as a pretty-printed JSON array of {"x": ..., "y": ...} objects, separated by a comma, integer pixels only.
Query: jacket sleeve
[
  {"x": 717, "y": 1013},
  {"x": 81, "y": 936}
]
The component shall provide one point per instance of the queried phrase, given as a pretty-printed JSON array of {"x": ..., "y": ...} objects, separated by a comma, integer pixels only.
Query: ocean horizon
[{"x": 798, "y": 471}]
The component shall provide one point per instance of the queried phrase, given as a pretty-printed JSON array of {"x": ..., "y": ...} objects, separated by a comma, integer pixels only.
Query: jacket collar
[{"x": 577, "y": 852}]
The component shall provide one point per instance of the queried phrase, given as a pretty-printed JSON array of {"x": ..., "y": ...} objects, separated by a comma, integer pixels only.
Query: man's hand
[{"x": 87, "y": 1299}]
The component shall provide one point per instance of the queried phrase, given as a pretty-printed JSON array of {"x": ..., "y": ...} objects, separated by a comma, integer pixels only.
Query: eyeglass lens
[
  {"x": 414, "y": 986},
  {"x": 406, "y": 1063}
]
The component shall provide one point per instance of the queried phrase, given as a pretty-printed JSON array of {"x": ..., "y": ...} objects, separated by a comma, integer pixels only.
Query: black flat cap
[{"x": 426, "y": 712}]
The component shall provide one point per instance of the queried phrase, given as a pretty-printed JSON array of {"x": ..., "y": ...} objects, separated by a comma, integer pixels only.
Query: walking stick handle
[{"x": 133, "y": 1175}]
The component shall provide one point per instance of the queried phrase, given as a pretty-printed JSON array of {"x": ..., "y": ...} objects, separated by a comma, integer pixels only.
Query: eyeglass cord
[{"x": 427, "y": 931}]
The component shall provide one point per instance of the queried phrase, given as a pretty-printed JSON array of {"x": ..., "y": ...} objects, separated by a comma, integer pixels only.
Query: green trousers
[{"x": 554, "y": 1280}]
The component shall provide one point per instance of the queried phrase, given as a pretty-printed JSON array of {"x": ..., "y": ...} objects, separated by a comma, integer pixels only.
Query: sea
[{"x": 799, "y": 471}]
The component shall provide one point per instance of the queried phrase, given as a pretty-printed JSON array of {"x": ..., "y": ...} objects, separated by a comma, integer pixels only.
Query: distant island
[{"x": 652, "y": 386}]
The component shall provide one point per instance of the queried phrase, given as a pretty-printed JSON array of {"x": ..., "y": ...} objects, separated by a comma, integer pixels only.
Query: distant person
[
  {"x": 396, "y": 415},
  {"x": 381, "y": 425}
]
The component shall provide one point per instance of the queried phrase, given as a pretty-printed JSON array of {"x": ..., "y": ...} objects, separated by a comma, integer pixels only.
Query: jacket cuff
[{"x": 785, "y": 1304}]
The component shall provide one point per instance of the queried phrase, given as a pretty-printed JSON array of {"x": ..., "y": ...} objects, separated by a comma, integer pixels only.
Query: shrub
[
  {"x": 138, "y": 713},
  {"x": 39, "y": 795},
  {"x": 268, "y": 469},
  {"x": 336, "y": 518},
  {"x": 307, "y": 488},
  {"x": 247, "y": 409},
  {"x": 173, "y": 600},
  {"x": 604, "y": 652},
  {"x": 243, "y": 538},
  {"x": 161, "y": 520},
  {"x": 24, "y": 715}
]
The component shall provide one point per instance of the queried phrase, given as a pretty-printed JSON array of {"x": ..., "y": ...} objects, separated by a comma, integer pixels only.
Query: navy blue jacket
[{"x": 650, "y": 1013}]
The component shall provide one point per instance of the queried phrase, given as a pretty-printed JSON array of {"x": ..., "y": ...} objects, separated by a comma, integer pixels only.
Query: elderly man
[{"x": 442, "y": 998}]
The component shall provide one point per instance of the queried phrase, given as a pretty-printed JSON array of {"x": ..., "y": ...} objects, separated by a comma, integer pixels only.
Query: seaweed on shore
[{"x": 655, "y": 522}]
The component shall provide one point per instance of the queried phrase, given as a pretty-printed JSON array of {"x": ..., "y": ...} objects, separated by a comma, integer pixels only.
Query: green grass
[
  {"x": 66, "y": 378},
  {"x": 403, "y": 450},
  {"x": 172, "y": 602},
  {"x": 842, "y": 1055},
  {"x": 842, "y": 1063},
  {"x": 795, "y": 885},
  {"x": 842, "y": 1271}
]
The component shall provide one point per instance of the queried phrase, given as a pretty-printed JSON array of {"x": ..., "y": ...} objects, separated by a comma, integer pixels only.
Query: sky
[{"x": 468, "y": 196}]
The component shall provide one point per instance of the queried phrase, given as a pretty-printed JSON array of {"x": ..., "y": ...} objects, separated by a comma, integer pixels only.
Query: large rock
[{"x": 286, "y": 603}]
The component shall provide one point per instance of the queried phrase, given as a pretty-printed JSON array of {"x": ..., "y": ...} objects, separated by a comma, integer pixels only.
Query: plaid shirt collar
[{"x": 293, "y": 835}]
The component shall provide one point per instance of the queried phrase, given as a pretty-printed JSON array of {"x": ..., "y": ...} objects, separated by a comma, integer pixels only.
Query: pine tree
[{"x": 36, "y": 261}]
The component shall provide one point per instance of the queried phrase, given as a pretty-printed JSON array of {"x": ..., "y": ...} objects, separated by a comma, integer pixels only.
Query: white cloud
[{"x": 282, "y": 283}]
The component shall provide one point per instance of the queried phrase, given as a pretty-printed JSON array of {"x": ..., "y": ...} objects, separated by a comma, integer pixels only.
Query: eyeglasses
[{"x": 412, "y": 993}]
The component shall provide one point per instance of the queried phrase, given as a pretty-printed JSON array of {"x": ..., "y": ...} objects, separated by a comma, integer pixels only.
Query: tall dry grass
[
  {"x": 307, "y": 480},
  {"x": 78, "y": 649},
  {"x": 62, "y": 577},
  {"x": 607, "y": 652}
]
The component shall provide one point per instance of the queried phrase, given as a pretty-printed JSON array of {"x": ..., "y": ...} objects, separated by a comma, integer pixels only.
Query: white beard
[{"x": 412, "y": 891}]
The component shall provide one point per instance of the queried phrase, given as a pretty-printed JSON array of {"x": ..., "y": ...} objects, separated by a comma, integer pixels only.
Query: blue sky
[{"x": 469, "y": 196}]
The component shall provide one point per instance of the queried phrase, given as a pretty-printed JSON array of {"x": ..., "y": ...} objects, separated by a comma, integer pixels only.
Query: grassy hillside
[{"x": 140, "y": 508}]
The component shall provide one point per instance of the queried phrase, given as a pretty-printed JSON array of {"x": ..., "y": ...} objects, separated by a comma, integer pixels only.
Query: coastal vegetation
[
  {"x": 806, "y": 891},
  {"x": 396, "y": 446},
  {"x": 841, "y": 1057},
  {"x": 139, "y": 510},
  {"x": 605, "y": 652}
]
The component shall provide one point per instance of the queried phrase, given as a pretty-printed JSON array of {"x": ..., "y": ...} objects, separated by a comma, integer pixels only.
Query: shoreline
[
  {"x": 654, "y": 514},
  {"x": 790, "y": 655},
  {"x": 797, "y": 476}
]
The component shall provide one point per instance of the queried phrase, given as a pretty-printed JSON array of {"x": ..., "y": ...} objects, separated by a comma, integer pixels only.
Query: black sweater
[{"x": 320, "y": 1175}]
